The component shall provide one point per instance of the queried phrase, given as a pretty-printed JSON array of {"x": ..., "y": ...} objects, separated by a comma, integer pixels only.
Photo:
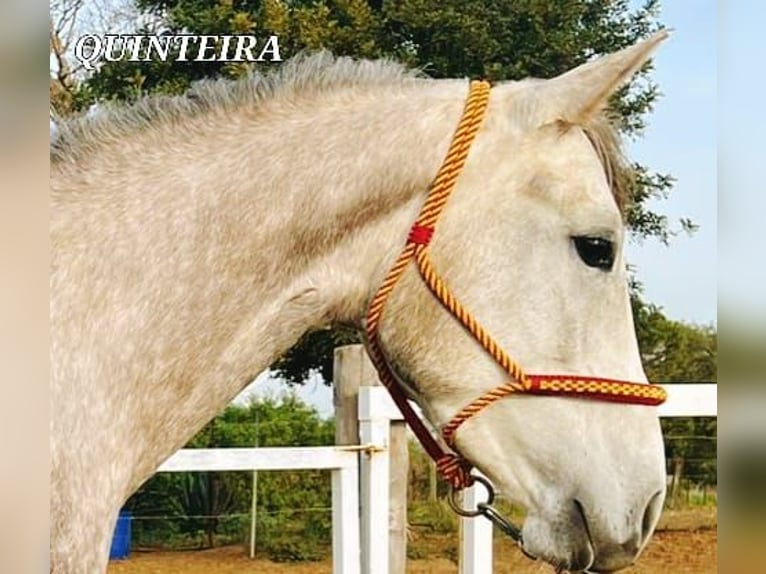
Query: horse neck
[
  {"x": 325, "y": 196},
  {"x": 248, "y": 229}
]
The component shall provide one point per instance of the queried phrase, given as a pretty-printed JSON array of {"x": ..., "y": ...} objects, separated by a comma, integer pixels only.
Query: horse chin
[
  {"x": 562, "y": 542},
  {"x": 565, "y": 543}
]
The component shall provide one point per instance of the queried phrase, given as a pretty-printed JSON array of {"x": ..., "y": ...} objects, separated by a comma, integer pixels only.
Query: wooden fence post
[{"x": 352, "y": 368}]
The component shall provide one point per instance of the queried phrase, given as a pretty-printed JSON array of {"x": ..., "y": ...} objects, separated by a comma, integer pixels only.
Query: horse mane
[{"x": 305, "y": 76}]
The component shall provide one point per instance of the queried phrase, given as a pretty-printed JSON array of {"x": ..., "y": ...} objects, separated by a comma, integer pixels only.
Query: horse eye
[{"x": 595, "y": 251}]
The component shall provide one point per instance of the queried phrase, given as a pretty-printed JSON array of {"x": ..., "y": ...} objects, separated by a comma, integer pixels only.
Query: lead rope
[{"x": 454, "y": 468}]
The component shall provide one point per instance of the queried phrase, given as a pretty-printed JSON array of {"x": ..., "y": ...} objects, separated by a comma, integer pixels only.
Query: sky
[
  {"x": 681, "y": 139},
  {"x": 741, "y": 125}
]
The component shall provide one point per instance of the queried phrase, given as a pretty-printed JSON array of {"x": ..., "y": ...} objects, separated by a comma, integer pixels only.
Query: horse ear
[{"x": 584, "y": 91}]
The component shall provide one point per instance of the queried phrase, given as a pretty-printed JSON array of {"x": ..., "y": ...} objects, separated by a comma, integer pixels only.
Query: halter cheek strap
[{"x": 453, "y": 467}]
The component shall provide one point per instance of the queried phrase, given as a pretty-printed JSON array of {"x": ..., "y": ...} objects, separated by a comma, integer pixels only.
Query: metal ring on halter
[
  {"x": 486, "y": 510},
  {"x": 455, "y": 504}
]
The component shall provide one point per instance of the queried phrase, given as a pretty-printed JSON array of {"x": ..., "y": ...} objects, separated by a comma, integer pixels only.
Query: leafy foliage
[
  {"x": 188, "y": 506},
  {"x": 314, "y": 354},
  {"x": 672, "y": 351},
  {"x": 676, "y": 352}
]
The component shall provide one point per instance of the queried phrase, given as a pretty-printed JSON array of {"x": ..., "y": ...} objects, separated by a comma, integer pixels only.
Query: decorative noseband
[{"x": 453, "y": 467}]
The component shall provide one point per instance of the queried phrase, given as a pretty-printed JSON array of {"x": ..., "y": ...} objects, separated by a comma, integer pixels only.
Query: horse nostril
[
  {"x": 584, "y": 558},
  {"x": 581, "y": 512},
  {"x": 651, "y": 515}
]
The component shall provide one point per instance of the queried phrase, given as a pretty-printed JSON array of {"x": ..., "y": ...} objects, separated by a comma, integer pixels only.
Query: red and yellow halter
[{"x": 455, "y": 469}]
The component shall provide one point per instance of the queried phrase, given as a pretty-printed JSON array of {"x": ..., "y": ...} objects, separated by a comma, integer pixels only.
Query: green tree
[
  {"x": 204, "y": 508},
  {"x": 676, "y": 352},
  {"x": 673, "y": 351}
]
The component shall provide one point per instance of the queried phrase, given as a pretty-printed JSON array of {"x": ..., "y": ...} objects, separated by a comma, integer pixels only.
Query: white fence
[
  {"x": 359, "y": 540},
  {"x": 341, "y": 461},
  {"x": 360, "y": 543}
]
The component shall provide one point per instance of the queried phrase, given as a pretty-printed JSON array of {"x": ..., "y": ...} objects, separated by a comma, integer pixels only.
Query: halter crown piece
[{"x": 453, "y": 467}]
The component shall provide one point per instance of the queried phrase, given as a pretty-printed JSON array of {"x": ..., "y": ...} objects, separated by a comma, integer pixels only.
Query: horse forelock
[
  {"x": 605, "y": 139},
  {"x": 619, "y": 172}
]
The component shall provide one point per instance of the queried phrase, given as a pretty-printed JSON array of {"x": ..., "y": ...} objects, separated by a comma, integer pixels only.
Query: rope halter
[{"x": 455, "y": 469}]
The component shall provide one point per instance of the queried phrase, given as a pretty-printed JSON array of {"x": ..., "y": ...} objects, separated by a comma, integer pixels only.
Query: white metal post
[
  {"x": 475, "y": 536},
  {"x": 345, "y": 521},
  {"x": 374, "y": 429}
]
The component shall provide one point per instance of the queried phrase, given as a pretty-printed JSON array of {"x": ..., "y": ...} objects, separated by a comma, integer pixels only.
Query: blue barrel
[{"x": 121, "y": 540}]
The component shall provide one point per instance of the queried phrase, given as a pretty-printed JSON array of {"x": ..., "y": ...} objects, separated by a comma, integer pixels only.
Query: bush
[
  {"x": 436, "y": 516},
  {"x": 294, "y": 536},
  {"x": 205, "y": 509}
]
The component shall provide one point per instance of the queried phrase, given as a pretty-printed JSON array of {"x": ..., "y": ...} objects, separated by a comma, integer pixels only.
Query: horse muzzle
[{"x": 581, "y": 539}]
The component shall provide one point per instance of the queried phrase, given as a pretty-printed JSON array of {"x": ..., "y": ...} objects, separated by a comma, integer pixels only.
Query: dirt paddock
[{"x": 692, "y": 549}]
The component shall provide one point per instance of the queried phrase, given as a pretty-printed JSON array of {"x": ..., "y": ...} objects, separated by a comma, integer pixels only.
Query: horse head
[{"x": 530, "y": 244}]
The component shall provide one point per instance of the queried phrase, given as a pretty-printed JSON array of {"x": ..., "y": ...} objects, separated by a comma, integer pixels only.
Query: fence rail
[{"x": 341, "y": 461}]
